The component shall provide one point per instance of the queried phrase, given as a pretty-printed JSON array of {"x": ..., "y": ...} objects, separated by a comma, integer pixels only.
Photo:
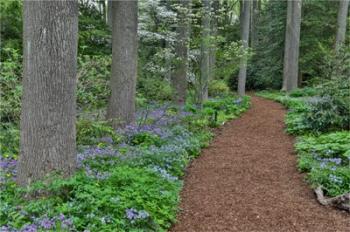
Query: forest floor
[{"x": 247, "y": 180}]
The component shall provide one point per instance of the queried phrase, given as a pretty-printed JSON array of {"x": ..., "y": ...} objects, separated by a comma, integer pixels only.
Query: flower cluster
[
  {"x": 7, "y": 169},
  {"x": 164, "y": 173},
  {"x": 133, "y": 214},
  {"x": 94, "y": 152},
  {"x": 324, "y": 162},
  {"x": 44, "y": 223}
]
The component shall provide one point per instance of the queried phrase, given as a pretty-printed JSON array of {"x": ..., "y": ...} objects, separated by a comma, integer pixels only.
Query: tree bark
[
  {"x": 205, "y": 61},
  {"x": 179, "y": 77},
  {"x": 214, "y": 33},
  {"x": 48, "y": 115},
  {"x": 245, "y": 21},
  {"x": 342, "y": 19},
  {"x": 121, "y": 107},
  {"x": 109, "y": 13},
  {"x": 287, "y": 43},
  {"x": 253, "y": 22},
  {"x": 291, "y": 62}
]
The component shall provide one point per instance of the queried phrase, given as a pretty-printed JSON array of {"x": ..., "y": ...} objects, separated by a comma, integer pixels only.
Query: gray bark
[
  {"x": 287, "y": 43},
  {"x": 253, "y": 22},
  {"x": 179, "y": 77},
  {"x": 245, "y": 21},
  {"x": 121, "y": 107},
  {"x": 341, "y": 23},
  {"x": 109, "y": 13},
  {"x": 205, "y": 61},
  {"x": 214, "y": 33},
  {"x": 291, "y": 65},
  {"x": 48, "y": 115}
]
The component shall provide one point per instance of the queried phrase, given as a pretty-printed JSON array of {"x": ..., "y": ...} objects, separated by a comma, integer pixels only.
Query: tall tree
[
  {"x": 109, "y": 13},
  {"x": 49, "y": 85},
  {"x": 253, "y": 22},
  {"x": 179, "y": 77},
  {"x": 205, "y": 53},
  {"x": 291, "y": 58},
  {"x": 121, "y": 107},
  {"x": 342, "y": 18},
  {"x": 245, "y": 21},
  {"x": 287, "y": 44},
  {"x": 214, "y": 33}
]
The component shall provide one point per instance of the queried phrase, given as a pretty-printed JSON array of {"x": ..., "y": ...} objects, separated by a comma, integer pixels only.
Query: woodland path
[{"x": 247, "y": 180}]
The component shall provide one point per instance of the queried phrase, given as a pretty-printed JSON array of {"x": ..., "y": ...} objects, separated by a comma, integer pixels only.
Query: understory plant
[
  {"x": 319, "y": 116},
  {"x": 127, "y": 179}
]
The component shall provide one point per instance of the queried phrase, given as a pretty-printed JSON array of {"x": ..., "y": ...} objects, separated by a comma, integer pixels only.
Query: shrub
[
  {"x": 145, "y": 139},
  {"x": 218, "y": 88},
  {"x": 93, "y": 81},
  {"x": 304, "y": 92},
  {"x": 92, "y": 133},
  {"x": 157, "y": 90},
  {"x": 9, "y": 140},
  {"x": 331, "y": 110},
  {"x": 10, "y": 85}
]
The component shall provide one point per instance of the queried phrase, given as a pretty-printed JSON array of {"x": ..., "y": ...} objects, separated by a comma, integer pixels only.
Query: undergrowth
[
  {"x": 323, "y": 137},
  {"x": 128, "y": 180}
]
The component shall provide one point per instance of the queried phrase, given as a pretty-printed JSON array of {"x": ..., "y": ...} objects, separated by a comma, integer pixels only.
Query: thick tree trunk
[
  {"x": 49, "y": 84},
  {"x": 342, "y": 18},
  {"x": 214, "y": 33},
  {"x": 179, "y": 77},
  {"x": 121, "y": 107},
  {"x": 253, "y": 22},
  {"x": 109, "y": 13},
  {"x": 287, "y": 43},
  {"x": 245, "y": 21},
  {"x": 291, "y": 64},
  {"x": 103, "y": 9},
  {"x": 205, "y": 61}
]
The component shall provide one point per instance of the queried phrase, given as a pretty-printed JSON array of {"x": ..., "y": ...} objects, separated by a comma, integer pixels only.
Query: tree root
[{"x": 340, "y": 202}]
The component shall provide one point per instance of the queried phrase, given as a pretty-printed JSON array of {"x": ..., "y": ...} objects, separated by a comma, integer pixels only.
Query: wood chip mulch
[{"x": 247, "y": 180}]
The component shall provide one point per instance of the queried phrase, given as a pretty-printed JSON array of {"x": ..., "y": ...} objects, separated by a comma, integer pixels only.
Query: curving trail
[{"x": 247, "y": 180}]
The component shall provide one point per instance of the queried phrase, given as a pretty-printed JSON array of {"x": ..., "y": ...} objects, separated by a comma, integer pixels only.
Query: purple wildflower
[
  {"x": 29, "y": 228},
  {"x": 5, "y": 229},
  {"x": 47, "y": 223},
  {"x": 133, "y": 214}
]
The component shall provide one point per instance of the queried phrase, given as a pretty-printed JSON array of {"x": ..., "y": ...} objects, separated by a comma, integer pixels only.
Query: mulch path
[{"x": 247, "y": 180}]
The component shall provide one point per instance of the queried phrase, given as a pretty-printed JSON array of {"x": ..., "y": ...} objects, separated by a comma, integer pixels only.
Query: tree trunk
[
  {"x": 179, "y": 77},
  {"x": 205, "y": 63},
  {"x": 109, "y": 13},
  {"x": 121, "y": 107},
  {"x": 253, "y": 22},
  {"x": 291, "y": 70},
  {"x": 214, "y": 33},
  {"x": 245, "y": 21},
  {"x": 287, "y": 44},
  {"x": 342, "y": 18},
  {"x": 49, "y": 85},
  {"x": 103, "y": 9}
]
